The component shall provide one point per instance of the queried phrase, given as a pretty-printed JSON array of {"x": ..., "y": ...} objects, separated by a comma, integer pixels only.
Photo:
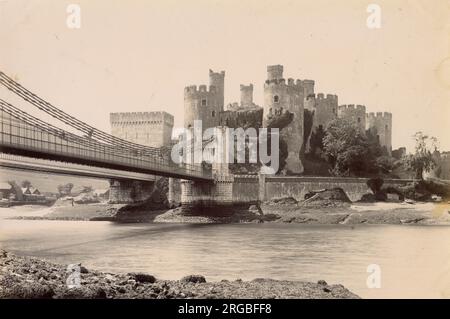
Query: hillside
[{"x": 49, "y": 182}]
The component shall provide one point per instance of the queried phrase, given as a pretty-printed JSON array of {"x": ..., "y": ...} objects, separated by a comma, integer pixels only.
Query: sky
[{"x": 138, "y": 55}]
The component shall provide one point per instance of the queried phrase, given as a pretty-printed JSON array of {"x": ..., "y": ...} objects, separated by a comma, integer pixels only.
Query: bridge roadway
[
  {"x": 56, "y": 167},
  {"x": 46, "y": 148}
]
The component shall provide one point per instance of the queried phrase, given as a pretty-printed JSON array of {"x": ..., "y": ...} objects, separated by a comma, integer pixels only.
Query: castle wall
[
  {"x": 145, "y": 128},
  {"x": 355, "y": 114},
  {"x": 242, "y": 118},
  {"x": 380, "y": 124}
]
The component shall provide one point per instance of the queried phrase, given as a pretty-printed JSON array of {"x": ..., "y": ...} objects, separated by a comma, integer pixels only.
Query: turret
[
  {"x": 274, "y": 72},
  {"x": 246, "y": 95},
  {"x": 217, "y": 79}
]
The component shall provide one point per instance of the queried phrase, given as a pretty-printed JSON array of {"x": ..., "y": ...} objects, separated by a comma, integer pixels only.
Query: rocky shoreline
[
  {"x": 282, "y": 211},
  {"x": 28, "y": 277}
]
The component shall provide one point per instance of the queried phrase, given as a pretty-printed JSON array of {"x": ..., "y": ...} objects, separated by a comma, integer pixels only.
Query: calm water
[{"x": 414, "y": 260}]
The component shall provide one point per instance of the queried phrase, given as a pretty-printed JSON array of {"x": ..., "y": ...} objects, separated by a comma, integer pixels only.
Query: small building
[{"x": 32, "y": 194}]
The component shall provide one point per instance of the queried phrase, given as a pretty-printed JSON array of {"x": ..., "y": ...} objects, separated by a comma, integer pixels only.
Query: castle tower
[
  {"x": 380, "y": 124},
  {"x": 308, "y": 88},
  {"x": 204, "y": 103},
  {"x": 246, "y": 95},
  {"x": 146, "y": 128},
  {"x": 355, "y": 114},
  {"x": 217, "y": 79},
  {"x": 280, "y": 96},
  {"x": 325, "y": 110},
  {"x": 274, "y": 72}
]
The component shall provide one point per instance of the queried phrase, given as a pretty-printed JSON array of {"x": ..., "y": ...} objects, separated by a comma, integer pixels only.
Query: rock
[
  {"x": 322, "y": 283},
  {"x": 3, "y": 254},
  {"x": 368, "y": 198},
  {"x": 30, "y": 291},
  {"x": 142, "y": 277},
  {"x": 86, "y": 198},
  {"x": 410, "y": 201},
  {"x": 326, "y": 289},
  {"x": 193, "y": 279},
  {"x": 335, "y": 194},
  {"x": 83, "y": 269},
  {"x": 283, "y": 201},
  {"x": 83, "y": 292}
]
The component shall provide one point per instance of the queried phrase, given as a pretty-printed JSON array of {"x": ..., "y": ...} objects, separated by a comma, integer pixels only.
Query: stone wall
[
  {"x": 246, "y": 189},
  {"x": 297, "y": 187}
]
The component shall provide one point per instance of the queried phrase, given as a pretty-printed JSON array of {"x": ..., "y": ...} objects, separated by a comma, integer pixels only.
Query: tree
[
  {"x": 26, "y": 183},
  {"x": 422, "y": 160},
  {"x": 316, "y": 140},
  {"x": 65, "y": 190},
  {"x": 347, "y": 149}
]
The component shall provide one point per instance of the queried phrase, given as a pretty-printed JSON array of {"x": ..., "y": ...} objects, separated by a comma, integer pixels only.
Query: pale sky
[{"x": 139, "y": 55}]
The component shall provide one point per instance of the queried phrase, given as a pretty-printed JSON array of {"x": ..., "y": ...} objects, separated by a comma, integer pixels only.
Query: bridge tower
[{"x": 217, "y": 193}]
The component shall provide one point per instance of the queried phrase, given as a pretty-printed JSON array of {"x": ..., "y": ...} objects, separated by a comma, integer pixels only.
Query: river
[{"x": 414, "y": 260}]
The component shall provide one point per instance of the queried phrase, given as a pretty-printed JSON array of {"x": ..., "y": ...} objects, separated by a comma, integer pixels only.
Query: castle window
[
  {"x": 203, "y": 102},
  {"x": 387, "y": 128},
  {"x": 359, "y": 120},
  {"x": 276, "y": 98},
  {"x": 213, "y": 113}
]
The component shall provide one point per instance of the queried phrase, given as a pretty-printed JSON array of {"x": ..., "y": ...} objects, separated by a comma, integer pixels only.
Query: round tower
[
  {"x": 217, "y": 79},
  {"x": 274, "y": 72},
  {"x": 279, "y": 97},
  {"x": 201, "y": 104}
]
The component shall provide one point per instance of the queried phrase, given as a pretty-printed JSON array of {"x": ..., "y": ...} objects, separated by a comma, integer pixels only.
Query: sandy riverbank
[
  {"x": 26, "y": 277},
  {"x": 348, "y": 213}
]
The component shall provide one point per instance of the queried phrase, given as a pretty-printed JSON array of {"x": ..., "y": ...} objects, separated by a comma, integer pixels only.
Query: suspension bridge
[{"x": 29, "y": 143}]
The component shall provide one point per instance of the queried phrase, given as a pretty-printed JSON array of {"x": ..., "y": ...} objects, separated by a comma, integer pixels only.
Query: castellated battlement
[
  {"x": 290, "y": 84},
  {"x": 321, "y": 96},
  {"x": 380, "y": 115},
  {"x": 138, "y": 118},
  {"x": 354, "y": 113},
  {"x": 352, "y": 107},
  {"x": 193, "y": 89}
]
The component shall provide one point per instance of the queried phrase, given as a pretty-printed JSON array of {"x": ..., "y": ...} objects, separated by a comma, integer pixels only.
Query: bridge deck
[{"x": 22, "y": 139}]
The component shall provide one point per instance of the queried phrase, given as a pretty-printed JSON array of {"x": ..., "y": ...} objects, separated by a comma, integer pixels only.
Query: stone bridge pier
[
  {"x": 203, "y": 195},
  {"x": 211, "y": 194},
  {"x": 129, "y": 191}
]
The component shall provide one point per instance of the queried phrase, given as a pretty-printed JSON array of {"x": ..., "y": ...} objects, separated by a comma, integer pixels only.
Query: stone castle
[{"x": 206, "y": 103}]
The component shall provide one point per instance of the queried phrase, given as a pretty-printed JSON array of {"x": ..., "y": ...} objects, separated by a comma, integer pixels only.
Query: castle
[{"x": 207, "y": 104}]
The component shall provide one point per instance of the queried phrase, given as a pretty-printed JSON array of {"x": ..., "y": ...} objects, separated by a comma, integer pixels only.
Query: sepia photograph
[{"x": 224, "y": 149}]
